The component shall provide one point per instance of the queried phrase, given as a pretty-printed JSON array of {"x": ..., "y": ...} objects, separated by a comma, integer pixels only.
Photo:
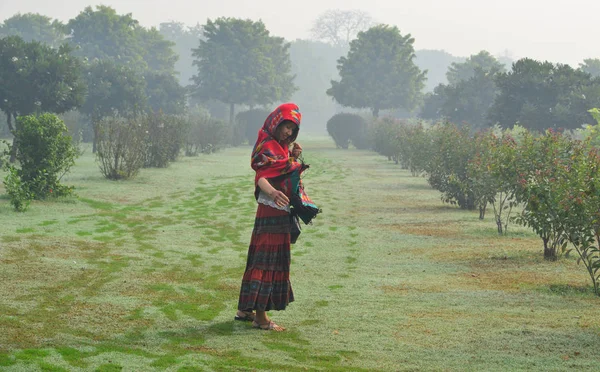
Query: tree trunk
[
  {"x": 231, "y": 112},
  {"x": 13, "y": 150},
  {"x": 549, "y": 252}
]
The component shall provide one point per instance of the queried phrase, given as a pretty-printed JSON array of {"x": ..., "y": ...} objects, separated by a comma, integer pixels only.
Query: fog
[{"x": 517, "y": 29}]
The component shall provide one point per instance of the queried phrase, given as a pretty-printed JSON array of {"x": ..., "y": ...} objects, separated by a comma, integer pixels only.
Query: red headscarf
[{"x": 270, "y": 158}]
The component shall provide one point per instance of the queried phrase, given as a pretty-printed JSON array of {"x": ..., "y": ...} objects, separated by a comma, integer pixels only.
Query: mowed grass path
[{"x": 144, "y": 275}]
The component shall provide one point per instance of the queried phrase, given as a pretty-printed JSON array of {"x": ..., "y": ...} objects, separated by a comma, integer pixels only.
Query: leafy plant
[{"x": 121, "y": 146}]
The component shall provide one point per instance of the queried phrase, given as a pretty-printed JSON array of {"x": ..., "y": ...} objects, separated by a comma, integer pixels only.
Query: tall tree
[
  {"x": 541, "y": 95},
  {"x": 102, "y": 34},
  {"x": 483, "y": 61},
  {"x": 34, "y": 27},
  {"x": 379, "y": 72},
  {"x": 112, "y": 89},
  {"x": 37, "y": 78},
  {"x": 339, "y": 27},
  {"x": 164, "y": 93},
  {"x": 240, "y": 63},
  {"x": 464, "y": 103}
]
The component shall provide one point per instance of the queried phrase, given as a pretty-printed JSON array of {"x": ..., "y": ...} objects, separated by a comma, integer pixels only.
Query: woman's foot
[
  {"x": 244, "y": 316},
  {"x": 268, "y": 326}
]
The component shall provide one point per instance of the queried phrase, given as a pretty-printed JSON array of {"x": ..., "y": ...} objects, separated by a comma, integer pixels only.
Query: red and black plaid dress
[{"x": 266, "y": 281}]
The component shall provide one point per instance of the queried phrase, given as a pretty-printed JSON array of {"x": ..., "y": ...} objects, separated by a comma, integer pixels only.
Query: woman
[{"x": 266, "y": 281}]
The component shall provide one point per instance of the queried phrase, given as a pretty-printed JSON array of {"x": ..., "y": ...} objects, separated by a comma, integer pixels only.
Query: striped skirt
[{"x": 266, "y": 281}]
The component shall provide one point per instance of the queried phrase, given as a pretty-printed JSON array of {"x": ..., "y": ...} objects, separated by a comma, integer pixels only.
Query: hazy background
[{"x": 564, "y": 32}]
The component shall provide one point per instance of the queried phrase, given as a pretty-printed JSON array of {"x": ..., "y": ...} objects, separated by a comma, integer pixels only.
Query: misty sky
[{"x": 558, "y": 31}]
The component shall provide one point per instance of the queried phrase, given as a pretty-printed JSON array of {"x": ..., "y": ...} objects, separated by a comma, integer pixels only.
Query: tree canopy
[
  {"x": 34, "y": 27},
  {"x": 482, "y": 61},
  {"x": 102, "y": 34},
  {"x": 379, "y": 72},
  {"x": 240, "y": 63},
  {"x": 540, "y": 95},
  {"x": 37, "y": 78}
]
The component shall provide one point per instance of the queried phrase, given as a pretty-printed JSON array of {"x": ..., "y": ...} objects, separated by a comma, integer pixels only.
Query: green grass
[{"x": 144, "y": 275}]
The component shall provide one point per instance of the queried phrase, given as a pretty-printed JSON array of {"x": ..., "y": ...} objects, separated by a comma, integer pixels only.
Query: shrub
[
  {"x": 121, "y": 145},
  {"x": 451, "y": 151},
  {"x": 165, "y": 138},
  {"x": 345, "y": 128},
  {"x": 45, "y": 152},
  {"x": 205, "y": 134}
]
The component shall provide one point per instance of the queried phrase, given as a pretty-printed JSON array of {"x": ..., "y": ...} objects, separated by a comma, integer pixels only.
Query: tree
[
  {"x": 379, "y": 72},
  {"x": 164, "y": 93},
  {"x": 240, "y": 63},
  {"x": 484, "y": 61},
  {"x": 113, "y": 89},
  {"x": 37, "y": 78},
  {"x": 541, "y": 95},
  {"x": 467, "y": 101},
  {"x": 339, "y": 27},
  {"x": 34, "y": 27},
  {"x": 591, "y": 66},
  {"x": 103, "y": 34}
]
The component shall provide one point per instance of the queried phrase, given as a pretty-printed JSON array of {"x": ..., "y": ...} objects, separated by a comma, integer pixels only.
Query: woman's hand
[
  {"x": 296, "y": 150},
  {"x": 279, "y": 198}
]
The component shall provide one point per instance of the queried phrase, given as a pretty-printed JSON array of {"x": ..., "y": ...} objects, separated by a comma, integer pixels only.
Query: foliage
[
  {"x": 34, "y": 27},
  {"x": 446, "y": 171},
  {"x": 493, "y": 174},
  {"x": 465, "y": 102},
  {"x": 113, "y": 90},
  {"x": 45, "y": 152},
  {"x": 483, "y": 62},
  {"x": 249, "y": 123},
  {"x": 240, "y": 63},
  {"x": 36, "y": 78},
  {"x": 206, "y": 134},
  {"x": 591, "y": 66},
  {"x": 102, "y": 34},
  {"x": 339, "y": 27},
  {"x": 581, "y": 206},
  {"x": 347, "y": 128},
  {"x": 543, "y": 165},
  {"x": 19, "y": 194},
  {"x": 379, "y": 72},
  {"x": 540, "y": 95},
  {"x": 120, "y": 146},
  {"x": 164, "y": 93},
  {"x": 166, "y": 135}
]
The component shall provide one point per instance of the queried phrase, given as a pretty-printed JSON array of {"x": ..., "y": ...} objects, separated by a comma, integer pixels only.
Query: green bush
[
  {"x": 205, "y": 134},
  {"x": 121, "y": 146},
  {"x": 165, "y": 138},
  {"x": 347, "y": 128},
  {"x": 45, "y": 152}
]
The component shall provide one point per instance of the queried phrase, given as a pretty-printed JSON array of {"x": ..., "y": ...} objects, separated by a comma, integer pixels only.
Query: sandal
[
  {"x": 247, "y": 317},
  {"x": 271, "y": 326}
]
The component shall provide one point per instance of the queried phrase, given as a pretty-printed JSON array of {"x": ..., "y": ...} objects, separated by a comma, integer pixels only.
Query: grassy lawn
[{"x": 144, "y": 275}]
